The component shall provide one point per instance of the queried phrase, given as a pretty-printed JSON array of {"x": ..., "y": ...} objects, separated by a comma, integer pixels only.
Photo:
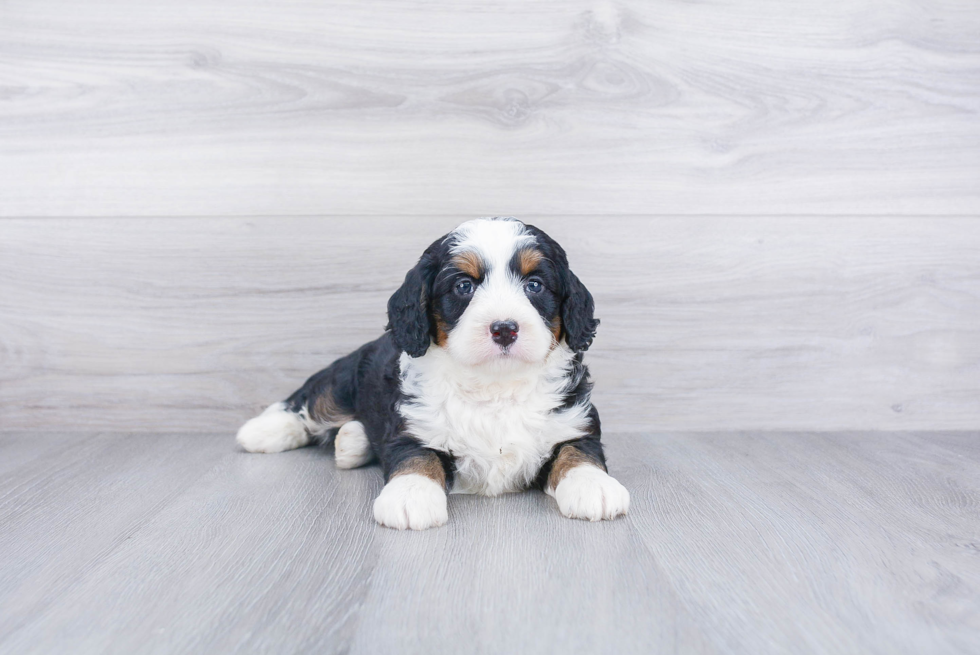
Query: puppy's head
[{"x": 492, "y": 292}]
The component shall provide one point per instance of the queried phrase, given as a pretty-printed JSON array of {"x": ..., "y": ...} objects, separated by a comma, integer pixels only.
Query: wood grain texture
[
  {"x": 863, "y": 508},
  {"x": 817, "y": 323},
  {"x": 193, "y": 572},
  {"x": 200, "y": 107},
  {"x": 95, "y": 492},
  {"x": 735, "y": 543}
]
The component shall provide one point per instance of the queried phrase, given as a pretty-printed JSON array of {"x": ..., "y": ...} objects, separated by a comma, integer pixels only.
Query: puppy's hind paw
[
  {"x": 351, "y": 447},
  {"x": 273, "y": 431}
]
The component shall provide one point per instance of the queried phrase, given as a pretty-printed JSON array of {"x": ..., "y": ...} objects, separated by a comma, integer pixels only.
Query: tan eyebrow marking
[
  {"x": 470, "y": 263},
  {"x": 528, "y": 259}
]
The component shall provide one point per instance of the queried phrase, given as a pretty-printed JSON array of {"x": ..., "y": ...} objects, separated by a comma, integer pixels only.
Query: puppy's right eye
[{"x": 464, "y": 287}]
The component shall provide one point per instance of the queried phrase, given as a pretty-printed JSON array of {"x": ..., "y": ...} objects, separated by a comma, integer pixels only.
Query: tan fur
[
  {"x": 556, "y": 329},
  {"x": 470, "y": 263},
  {"x": 427, "y": 465},
  {"x": 568, "y": 458},
  {"x": 528, "y": 258},
  {"x": 324, "y": 410},
  {"x": 442, "y": 331}
]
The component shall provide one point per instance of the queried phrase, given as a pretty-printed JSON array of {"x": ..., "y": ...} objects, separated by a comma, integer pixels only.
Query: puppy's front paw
[
  {"x": 588, "y": 492},
  {"x": 411, "y": 501}
]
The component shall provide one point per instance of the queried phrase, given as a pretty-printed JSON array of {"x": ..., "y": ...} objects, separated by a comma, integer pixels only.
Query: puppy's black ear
[
  {"x": 577, "y": 314},
  {"x": 408, "y": 309}
]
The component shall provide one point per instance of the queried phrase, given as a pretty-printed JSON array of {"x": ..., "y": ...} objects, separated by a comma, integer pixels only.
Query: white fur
[
  {"x": 411, "y": 501},
  {"x": 499, "y": 423},
  {"x": 500, "y": 296},
  {"x": 273, "y": 431},
  {"x": 496, "y": 239},
  {"x": 496, "y": 410},
  {"x": 351, "y": 447},
  {"x": 493, "y": 408},
  {"x": 588, "y": 492}
]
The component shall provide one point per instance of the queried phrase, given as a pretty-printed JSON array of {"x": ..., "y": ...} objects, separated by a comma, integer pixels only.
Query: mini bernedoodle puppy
[{"x": 477, "y": 386}]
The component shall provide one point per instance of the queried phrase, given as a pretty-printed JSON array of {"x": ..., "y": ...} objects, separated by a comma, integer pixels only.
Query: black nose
[{"x": 504, "y": 332}]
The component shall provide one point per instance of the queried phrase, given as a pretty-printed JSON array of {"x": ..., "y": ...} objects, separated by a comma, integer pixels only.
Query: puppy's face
[
  {"x": 497, "y": 297},
  {"x": 494, "y": 292}
]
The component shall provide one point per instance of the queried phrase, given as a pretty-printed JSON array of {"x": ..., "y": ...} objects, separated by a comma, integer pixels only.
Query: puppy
[{"x": 477, "y": 385}]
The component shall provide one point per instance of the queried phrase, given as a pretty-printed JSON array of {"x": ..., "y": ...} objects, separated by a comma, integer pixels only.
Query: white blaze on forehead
[{"x": 495, "y": 240}]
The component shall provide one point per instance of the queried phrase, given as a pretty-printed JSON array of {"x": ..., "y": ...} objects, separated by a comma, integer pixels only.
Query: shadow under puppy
[{"x": 477, "y": 385}]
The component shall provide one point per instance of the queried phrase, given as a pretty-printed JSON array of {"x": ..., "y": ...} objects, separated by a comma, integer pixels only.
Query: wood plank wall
[{"x": 774, "y": 203}]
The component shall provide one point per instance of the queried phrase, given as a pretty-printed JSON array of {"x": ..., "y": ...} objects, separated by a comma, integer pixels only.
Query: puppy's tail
[{"x": 314, "y": 412}]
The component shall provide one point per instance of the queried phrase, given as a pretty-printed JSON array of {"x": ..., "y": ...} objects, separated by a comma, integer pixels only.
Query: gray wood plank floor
[{"x": 749, "y": 542}]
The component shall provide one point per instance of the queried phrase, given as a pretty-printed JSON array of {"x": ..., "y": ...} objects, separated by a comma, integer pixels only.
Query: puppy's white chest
[
  {"x": 499, "y": 434},
  {"x": 497, "y": 446}
]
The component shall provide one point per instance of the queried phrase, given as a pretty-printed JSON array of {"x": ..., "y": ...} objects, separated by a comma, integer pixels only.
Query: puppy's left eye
[
  {"x": 534, "y": 286},
  {"x": 464, "y": 287}
]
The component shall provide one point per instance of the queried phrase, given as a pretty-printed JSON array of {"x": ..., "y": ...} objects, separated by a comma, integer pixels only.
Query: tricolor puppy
[{"x": 477, "y": 386}]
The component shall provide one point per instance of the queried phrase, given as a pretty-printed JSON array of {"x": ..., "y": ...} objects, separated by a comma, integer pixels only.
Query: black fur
[
  {"x": 365, "y": 384},
  {"x": 409, "y": 318},
  {"x": 580, "y": 387},
  {"x": 401, "y": 448},
  {"x": 447, "y": 305},
  {"x": 548, "y": 301},
  {"x": 577, "y": 309}
]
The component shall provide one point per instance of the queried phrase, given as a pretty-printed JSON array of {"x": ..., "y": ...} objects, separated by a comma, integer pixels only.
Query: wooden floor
[
  {"x": 735, "y": 543},
  {"x": 775, "y": 205}
]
